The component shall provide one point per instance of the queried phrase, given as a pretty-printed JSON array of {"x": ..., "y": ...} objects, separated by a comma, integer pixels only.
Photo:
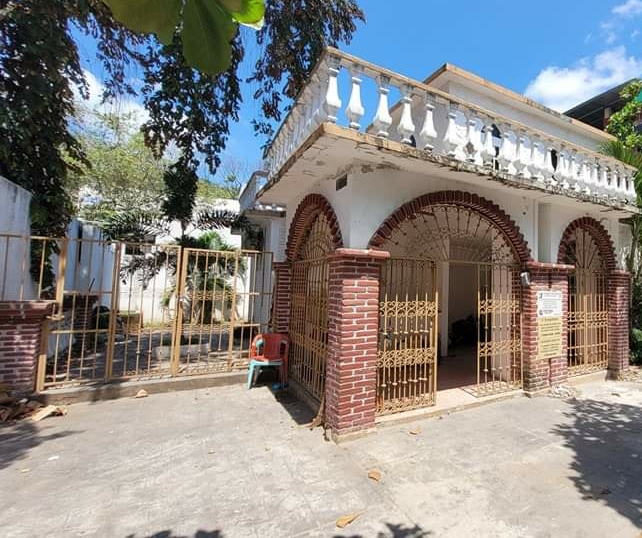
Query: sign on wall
[{"x": 549, "y": 324}]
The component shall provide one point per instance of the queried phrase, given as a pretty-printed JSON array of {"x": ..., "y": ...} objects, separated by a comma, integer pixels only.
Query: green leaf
[
  {"x": 207, "y": 32},
  {"x": 248, "y": 12},
  {"x": 148, "y": 16}
]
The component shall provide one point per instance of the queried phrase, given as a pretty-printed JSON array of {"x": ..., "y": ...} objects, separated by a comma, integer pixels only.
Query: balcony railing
[
  {"x": 247, "y": 198},
  {"x": 443, "y": 125}
]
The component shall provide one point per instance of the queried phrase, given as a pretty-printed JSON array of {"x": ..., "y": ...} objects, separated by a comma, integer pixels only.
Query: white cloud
[
  {"x": 122, "y": 105},
  {"x": 635, "y": 34},
  {"x": 630, "y": 8},
  {"x": 560, "y": 88}
]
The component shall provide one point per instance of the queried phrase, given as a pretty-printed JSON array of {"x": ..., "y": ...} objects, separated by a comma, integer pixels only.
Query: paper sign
[
  {"x": 549, "y": 337},
  {"x": 549, "y": 304}
]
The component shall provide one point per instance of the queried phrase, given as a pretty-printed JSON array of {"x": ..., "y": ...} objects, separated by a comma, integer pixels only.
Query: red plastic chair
[{"x": 268, "y": 349}]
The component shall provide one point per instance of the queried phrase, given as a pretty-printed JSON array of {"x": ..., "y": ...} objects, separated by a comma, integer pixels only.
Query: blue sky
[{"x": 556, "y": 52}]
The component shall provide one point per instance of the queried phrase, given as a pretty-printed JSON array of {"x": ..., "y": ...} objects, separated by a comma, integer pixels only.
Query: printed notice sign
[
  {"x": 549, "y": 304},
  {"x": 549, "y": 337}
]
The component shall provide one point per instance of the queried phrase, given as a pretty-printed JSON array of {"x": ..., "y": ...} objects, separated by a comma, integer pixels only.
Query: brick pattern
[
  {"x": 467, "y": 200},
  {"x": 599, "y": 234},
  {"x": 353, "y": 318},
  {"x": 282, "y": 297},
  {"x": 619, "y": 298},
  {"x": 304, "y": 217},
  {"x": 20, "y": 335},
  {"x": 539, "y": 373}
]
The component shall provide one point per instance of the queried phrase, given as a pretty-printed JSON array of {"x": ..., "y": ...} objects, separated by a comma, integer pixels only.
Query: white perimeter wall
[{"x": 15, "y": 282}]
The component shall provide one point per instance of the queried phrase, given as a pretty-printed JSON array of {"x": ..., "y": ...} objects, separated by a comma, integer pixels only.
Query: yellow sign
[{"x": 549, "y": 337}]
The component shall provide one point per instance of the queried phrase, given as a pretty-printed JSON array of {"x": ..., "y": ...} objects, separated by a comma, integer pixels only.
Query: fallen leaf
[
  {"x": 374, "y": 475},
  {"x": 53, "y": 458},
  {"x": 142, "y": 393},
  {"x": 24, "y": 470},
  {"x": 344, "y": 521},
  {"x": 416, "y": 431}
]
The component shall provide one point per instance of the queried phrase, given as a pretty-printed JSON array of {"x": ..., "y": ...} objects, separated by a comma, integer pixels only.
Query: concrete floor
[{"x": 226, "y": 462}]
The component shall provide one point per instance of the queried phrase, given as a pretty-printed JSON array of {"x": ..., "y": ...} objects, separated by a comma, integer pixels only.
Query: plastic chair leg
[{"x": 250, "y": 375}]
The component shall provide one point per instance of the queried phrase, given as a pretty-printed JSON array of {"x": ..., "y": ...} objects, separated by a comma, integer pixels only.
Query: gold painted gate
[
  {"x": 588, "y": 316},
  {"x": 499, "y": 347},
  {"x": 129, "y": 310},
  {"x": 406, "y": 362},
  {"x": 309, "y": 310}
]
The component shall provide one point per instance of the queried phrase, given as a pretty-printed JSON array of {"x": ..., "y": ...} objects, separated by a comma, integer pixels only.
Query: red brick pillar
[
  {"x": 282, "y": 297},
  {"x": 540, "y": 374},
  {"x": 619, "y": 298},
  {"x": 353, "y": 322},
  {"x": 21, "y": 325}
]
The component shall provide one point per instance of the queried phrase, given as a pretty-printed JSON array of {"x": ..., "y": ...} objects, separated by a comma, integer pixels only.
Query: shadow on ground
[
  {"x": 170, "y": 534},
  {"x": 606, "y": 440},
  {"x": 17, "y": 439},
  {"x": 296, "y": 408},
  {"x": 394, "y": 531}
]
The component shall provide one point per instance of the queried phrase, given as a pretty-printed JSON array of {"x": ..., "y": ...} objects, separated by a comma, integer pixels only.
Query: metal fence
[{"x": 128, "y": 310}]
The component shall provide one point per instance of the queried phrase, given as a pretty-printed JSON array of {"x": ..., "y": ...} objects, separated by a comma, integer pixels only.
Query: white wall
[
  {"x": 371, "y": 197},
  {"x": 506, "y": 107},
  {"x": 15, "y": 282}
]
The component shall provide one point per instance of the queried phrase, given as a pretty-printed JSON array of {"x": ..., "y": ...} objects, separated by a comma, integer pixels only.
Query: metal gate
[
  {"x": 588, "y": 316},
  {"x": 309, "y": 309},
  {"x": 499, "y": 348},
  {"x": 406, "y": 362},
  {"x": 129, "y": 310}
]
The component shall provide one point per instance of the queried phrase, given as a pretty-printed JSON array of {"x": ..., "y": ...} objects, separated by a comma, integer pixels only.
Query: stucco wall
[
  {"x": 15, "y": 282},
  {"x": 370, "y": 197}
]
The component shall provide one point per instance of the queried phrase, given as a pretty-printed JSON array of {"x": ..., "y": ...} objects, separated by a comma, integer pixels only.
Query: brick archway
[
  {"x": 598, "y": 233},
  {"x": 484, "y": 207},
  {"x": 304, "y": 217}
]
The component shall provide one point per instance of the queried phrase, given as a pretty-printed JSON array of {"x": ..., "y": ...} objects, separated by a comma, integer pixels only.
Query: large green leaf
[
  {"x": 248, "y": 12},
  {"x": 148, "y": 16},
  {"x": 207, "y": 32}
]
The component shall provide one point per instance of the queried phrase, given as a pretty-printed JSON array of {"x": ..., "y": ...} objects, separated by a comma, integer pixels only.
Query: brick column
[
  {"x": 353, "y": 321},
  {"x": 282, "y": 296},
  {"x": 21, "y": 325},
  {"x": 619, "y": 298},
  {"x": 539, "y": 373}
]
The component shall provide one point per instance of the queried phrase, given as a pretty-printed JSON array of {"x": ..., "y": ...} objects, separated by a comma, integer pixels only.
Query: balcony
[{"x": 445, "y": 129}]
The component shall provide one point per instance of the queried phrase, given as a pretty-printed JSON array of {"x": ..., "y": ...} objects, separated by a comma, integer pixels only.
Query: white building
[{"x": 447, "y": 226}]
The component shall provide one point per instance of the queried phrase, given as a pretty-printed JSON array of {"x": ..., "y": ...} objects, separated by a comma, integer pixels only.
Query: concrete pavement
[{"x": 225, "y": 462}]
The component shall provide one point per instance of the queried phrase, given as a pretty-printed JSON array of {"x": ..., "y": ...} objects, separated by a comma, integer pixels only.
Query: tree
[
  {"x": 198, "y": 21},
  {"x": 188, "y": 110},
  {"x": 622, "y": 123},
  {"x": 122, "y": 172},
  {"x": 627, "y": 148}
]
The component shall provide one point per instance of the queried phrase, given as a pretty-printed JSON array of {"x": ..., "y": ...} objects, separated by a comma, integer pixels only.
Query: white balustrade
[
  {"x": 443, "y": 125},
  {"x": 428, "y": 135},
  {"x": 355, "y": 110},
  {"x": 382, "y": 120},
  {"x": 406, "y": 127}
]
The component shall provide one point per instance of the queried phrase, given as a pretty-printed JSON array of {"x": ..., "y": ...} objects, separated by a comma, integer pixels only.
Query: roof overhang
[{"x": 330, "y": 151}]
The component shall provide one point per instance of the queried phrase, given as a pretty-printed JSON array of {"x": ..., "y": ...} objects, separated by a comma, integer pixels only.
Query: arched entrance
[
  {"x": 314, "y": 235},
  {"x": 450, "y": 300},
  {"x": 586, "y": 245}
]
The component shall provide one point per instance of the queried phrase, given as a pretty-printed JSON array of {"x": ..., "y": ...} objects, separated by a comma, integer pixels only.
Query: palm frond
[
  {"x": 137, "y": 225},
  {"x": 216, "y": 219}
]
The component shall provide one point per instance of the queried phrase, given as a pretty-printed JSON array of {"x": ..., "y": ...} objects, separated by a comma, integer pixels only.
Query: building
[
  {"x": 598, "y": 110},
  {"x": 436, "y": 236}
]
